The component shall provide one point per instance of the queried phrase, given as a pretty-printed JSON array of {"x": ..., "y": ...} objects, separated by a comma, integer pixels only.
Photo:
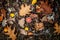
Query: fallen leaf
[{"x": 24, "y": 10}]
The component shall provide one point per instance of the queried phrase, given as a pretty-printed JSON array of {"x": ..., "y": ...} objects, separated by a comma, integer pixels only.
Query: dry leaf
[
  {"x": 57, "y": 27},
  {"x": 22, "y": 31},
  {"x": 1, "y": 17},
  {"x": 30, "y": 33},
  {"x": 3, "y": 11},
  {"x": 39, "y": 26},
  {"x": 2, "y": 14},
  {"x": 33, "y": 16},
  {"x": 21, "y": 22},
  {"x": 24, "y": 10},
  {"x": 47, "y": 8},
  {"x": 44, "y": 19},
  {"x": 11, "y": 33}
]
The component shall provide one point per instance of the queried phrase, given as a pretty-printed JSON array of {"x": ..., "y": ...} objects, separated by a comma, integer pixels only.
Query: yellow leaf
[
  {"x": 12, "y": 14},
  {"x": 26, "y": 28},
  {"x": 33, "y": 2}
]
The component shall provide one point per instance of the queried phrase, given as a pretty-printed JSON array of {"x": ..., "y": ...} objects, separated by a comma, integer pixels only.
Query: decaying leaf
[
  {"x": 24, "y": 10},
  {"x": 44, "y": 19},
  {"x": 1, "y": 17},
  {"x": 47, "y": 8},
  {"x": 4, "y": 22},
  {"x": 21, "y": 22},
  {"x": 33, "y": 16},
  {"x": 2, "y": 14},
  {"x": 3, "y": 11}
]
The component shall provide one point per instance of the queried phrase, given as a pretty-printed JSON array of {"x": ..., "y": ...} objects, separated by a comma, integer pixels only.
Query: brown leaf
[
  {"x": 47, "y": 8},
  {"x": 3, "y": 11},
  {"x": 11, "y": 33},
  {"x": 1, "y": 17},
  {"x": 39, "y": 26},
  {"x": 57, "y": 27}
]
